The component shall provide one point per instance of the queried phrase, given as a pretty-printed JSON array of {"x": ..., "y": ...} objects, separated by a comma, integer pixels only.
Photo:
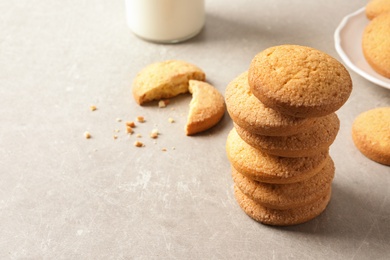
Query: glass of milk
[{"x": 165, "y": 21}]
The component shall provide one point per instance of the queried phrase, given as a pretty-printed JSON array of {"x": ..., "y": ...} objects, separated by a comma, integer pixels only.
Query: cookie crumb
[
  {"x": 130, "y": 123},
  {"x": 163, "y": 103},
  {"x": 173, "y": 148},
  {"x": 115, "y": 137},
  {"x": 129, "y": 130},
  {"x": 164, "y": 149},
  {"x": 139, "y": 135},
  {"x": 117, "y": 130},
  {"x": 138, "y": 144},
  {"x": 87, "y": 135},
  {"x": 140, "y": 119},
  {"x": 154, "y": 134},
  {"x": 171, "y": 120},
  {"x": 119, "y": 119},
  {"x": 93, "y": 108}
]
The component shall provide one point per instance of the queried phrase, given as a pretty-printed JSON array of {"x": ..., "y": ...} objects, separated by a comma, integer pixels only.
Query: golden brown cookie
[
  {"x": 315, "y": 139},
  {"x": 285, "y": 196},
  {"x": 299, "y": 81},
  {"x": 164, "y": 80},
  {"x": 279, "y": 217},
  {"x": 371, "y": 134},
  {"x": 207, "y": 107},
  {"x": 248, "y": 112},
  {"x": 267, "y": 168},
  {"x": 377, "y": 7},
  {"x": 376, "y": 44}
]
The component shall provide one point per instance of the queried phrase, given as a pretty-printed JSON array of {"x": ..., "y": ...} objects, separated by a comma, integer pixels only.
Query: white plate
[{"x": 348, "y": 43}]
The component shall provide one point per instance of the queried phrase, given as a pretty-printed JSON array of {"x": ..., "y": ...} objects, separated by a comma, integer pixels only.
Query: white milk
[{"x": 165, "y": 20}]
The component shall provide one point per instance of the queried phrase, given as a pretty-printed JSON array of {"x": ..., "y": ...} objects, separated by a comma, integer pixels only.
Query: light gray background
[{"x": 65, "y": 197}]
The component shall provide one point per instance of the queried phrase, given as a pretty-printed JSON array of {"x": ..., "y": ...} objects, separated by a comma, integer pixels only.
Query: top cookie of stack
[{"x": 299, "y": 81}]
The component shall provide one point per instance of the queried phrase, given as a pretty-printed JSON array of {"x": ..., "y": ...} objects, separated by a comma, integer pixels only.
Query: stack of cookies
[{"x": 283, "y": 110}]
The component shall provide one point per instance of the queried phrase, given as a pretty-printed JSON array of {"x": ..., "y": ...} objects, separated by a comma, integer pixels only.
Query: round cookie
[
  {"x": 299, "y": 81},
  {"x": 377, "y": 7},
  {"x": 315, "y": 139},
  {"x": 285, "y": 196},
  {"x": 263, "y": 167},
  {"x": 277, "y": 217},
  {"x": 248, "y": 112},
  {"x": 371, "y": 134},
  {"x": 376, "y": 44}
]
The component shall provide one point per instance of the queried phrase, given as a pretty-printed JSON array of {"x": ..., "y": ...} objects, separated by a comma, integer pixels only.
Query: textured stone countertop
[{"x": 65, "y": 197}]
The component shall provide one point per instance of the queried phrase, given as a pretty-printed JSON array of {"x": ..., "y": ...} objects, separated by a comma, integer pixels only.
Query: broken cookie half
[
  {"x": 170, "y": 78},
  {"x": 164, "y": 80},
  {"x": 207, "y": 107}
]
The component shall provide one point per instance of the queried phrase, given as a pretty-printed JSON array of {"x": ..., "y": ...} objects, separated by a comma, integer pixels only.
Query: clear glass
[{"x": 165, "y": 21}]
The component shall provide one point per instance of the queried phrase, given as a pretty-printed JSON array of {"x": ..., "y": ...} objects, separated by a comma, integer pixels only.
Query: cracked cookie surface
[{"x": 299, "y": 81}]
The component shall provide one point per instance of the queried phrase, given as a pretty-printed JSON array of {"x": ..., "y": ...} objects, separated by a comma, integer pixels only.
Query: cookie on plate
[
  {"x": 261, "y": 166},
  {"x": 164, "y": 80},
  {"x": 376, "y": 44},
  {"x": 207, "y": 107},
  {"x": 377, "y": 7},
  {"x": 315, "y": 139},
  {"x": 248, "y": 112},
  {"x": 371, "y": 134},
  {"x": 299, "y": 81},
  {"x": 285, "y": 196},
  {"x": 279, "y": 217}
]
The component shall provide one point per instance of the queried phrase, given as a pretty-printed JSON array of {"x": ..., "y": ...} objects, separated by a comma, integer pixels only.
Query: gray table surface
[{"x": 65, "y": 197}]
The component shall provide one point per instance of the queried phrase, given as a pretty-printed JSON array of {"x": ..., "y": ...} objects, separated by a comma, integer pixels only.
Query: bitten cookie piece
[
  {"x": 376, "y": 44},
  {"x": 371, "y": 134},
  {"x": 261, "y": 166},
  {"x": 277, "y": 217},
  {"x": 164, "y": 80},
  {"x": 299, "y": 81},
  {"x": 313, "y": 140},
  {"x": 377, "y": 7},
  {"x": 207, "y": 107},
  {"x": 248, "y": 112},
  {"x": 285, "y": 196}
]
